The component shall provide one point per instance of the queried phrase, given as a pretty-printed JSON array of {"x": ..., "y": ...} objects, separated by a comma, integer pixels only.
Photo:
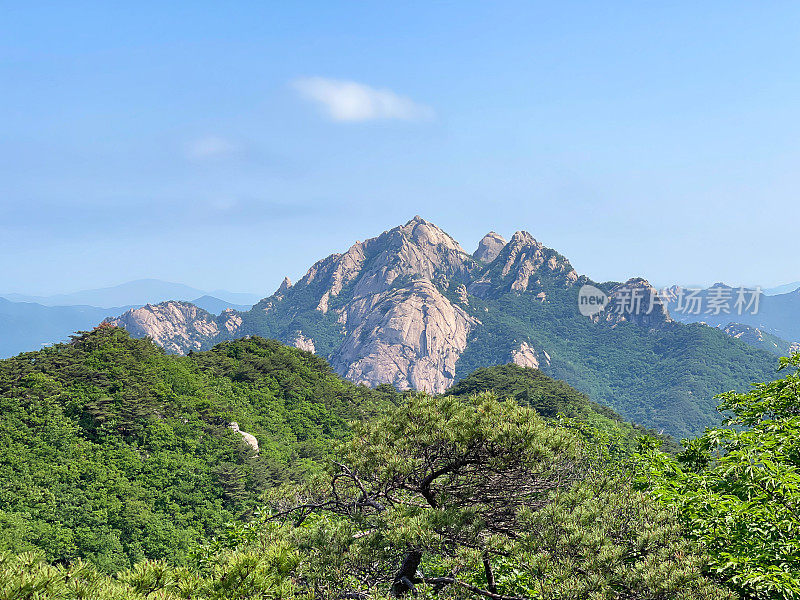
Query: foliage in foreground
[
  {"x": 443, "y": 497},
  {"x": 475, "y": 497},
  {"x": 737, "y": 489},
  {"x": 113, "y": 451},
  {"x": 447, "y": 497}
]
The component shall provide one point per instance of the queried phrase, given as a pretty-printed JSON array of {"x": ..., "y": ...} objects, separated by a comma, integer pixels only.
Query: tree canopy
[
  {"x": 122, "y": 478},
  {"x": 737, "y": 488},
  {"x": 113, "y": 451}
]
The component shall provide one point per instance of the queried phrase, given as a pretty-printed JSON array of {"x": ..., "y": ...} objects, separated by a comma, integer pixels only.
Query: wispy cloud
[
  {"x": 351, "y": 101},
  {"x": 210, "y": 147}
]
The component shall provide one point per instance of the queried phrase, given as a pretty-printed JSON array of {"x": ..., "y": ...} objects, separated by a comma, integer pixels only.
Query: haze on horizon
[{"x": 226, "y": 149}]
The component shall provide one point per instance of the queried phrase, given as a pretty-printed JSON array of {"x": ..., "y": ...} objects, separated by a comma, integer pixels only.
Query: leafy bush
[{"x": 737, "y": 489}]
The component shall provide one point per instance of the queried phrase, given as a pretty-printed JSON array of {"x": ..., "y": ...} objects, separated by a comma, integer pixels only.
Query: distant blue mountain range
[
  {"x": 134, "y": 293},
  {"x": 782, "y": 289},
  {"x": 30, "y": 322},
  {"x": 776, "y": 314}
]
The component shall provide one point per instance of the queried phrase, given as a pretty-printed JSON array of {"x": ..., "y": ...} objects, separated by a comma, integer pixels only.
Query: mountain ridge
[
  {"x": 133, "y": 293},
  {"x": 717, "y": 306},
  {"x": 410, "y": 307}
]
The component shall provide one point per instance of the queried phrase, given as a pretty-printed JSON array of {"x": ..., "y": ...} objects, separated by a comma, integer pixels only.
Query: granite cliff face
[
  {"x": 411, "y": 308},
  {"x": 410, "y": 337},
  {"x": 386, "y": 294},
  {"x": 489, "y": 247},
  {"x": 178, "y": 326}
]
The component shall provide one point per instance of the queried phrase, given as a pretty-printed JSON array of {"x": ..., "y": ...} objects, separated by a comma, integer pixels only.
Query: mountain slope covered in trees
[
  {"x": 411, "y": 308},
  {"x": 510, "y": 486},
  {"x": 114, "y": 451}
]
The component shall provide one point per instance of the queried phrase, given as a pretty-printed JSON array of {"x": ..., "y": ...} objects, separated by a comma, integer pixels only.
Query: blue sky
[{"x": 225, "y": 145}]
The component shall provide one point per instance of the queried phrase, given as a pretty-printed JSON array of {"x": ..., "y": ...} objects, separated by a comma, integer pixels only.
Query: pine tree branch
[{"x": 471, "y": 588}]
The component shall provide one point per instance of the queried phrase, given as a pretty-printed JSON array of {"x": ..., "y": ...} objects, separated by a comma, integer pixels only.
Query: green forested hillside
[
  {"x": 511, "y": 486},
  {"x": 448, "y": 497},
  {"x": 664, "y": 377},
  {"x": 114, "y": 451},
  {"x": 550, "y": 398}
]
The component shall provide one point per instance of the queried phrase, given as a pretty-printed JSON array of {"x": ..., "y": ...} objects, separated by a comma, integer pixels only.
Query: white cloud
[
  {"x": 352, "y": 101},
  {"x": 211, "y": 147}
]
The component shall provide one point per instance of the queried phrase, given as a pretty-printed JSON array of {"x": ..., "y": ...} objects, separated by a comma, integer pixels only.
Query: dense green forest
[
  {"x": 122, "y": 478},
  {"x": 553, "y": 398},
  {"x": 664, "y": 378},
  {"x": 115, "y": 452}
]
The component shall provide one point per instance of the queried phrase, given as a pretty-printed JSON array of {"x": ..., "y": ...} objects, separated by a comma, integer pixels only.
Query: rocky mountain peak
[
  {"x": 418, "y": 249},
  {"x": 523, "y": 238},
  {"x": 638, "y": 302},
  {"x": 177, "y": 326},
  {"x": 284, "y": 286},
  {"x": 387, "y": 292},
  {"x": 489, "y": 247},
  {"x": 520, "y": 266},
  {"x": 426, "y": 236}
]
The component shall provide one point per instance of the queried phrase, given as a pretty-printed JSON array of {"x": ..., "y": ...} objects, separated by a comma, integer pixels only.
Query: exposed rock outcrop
[
  {"x": 410, "y": 337},
  {"x": 177, "y": 326},
  {"x": 248, "y": 438},
  {"x": 526, "y": 356},
  {"x": 744, "y": 332},
  {"x": 303, "y": 343},
  {"x": 636, "y": 301},
  {"x": 463, "y": 296},
  {"x": 489, "y": 247},
  {"x": 521, "y": 265},
  {"x": 230, "y": 321},
  {"x": 757, "y": 337},
  {"x": 284, "y": 287},
  {"x": 526, "y": 256}
]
